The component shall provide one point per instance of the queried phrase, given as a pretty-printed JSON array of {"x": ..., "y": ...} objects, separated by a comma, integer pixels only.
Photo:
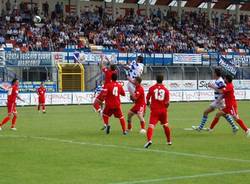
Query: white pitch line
[
  {"x": 185, "y": 177},
  {"x": 129, "y": 148}
]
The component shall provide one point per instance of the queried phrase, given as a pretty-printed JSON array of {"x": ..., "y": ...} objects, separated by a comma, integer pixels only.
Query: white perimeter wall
[{"x": 88, "y": 97}]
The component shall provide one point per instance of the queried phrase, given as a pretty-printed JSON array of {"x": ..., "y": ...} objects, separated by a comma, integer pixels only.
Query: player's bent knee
[
  {"x": 165, "y": 125},
  {"x": 151, "y": 126}
]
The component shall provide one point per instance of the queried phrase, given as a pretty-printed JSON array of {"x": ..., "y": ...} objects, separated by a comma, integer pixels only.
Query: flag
[{"x": 228, "y": 65}]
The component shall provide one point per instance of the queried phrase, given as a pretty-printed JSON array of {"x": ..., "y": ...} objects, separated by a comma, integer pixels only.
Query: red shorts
[
  {"x": 109, "y": 111},
  {"x": 41, "y": 100},
  {"x": 156, "y": 116},
  {"x": 138, "y": 109},
  {"x": 231, "y": 110},
  {"x": 11, "y": 108},
  {"x": 101, "y": 96}
]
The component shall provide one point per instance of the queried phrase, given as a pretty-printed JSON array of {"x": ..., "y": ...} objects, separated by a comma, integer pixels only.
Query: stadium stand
[{"x": 161, "y": 32}]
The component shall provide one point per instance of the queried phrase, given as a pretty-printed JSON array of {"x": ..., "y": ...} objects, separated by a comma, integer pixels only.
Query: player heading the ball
[{"x": 135, "y": 69}]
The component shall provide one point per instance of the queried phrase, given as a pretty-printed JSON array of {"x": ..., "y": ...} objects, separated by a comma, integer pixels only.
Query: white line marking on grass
[
  {"x": 185, "y": 177},
  {"x": 129, "y": 148}
]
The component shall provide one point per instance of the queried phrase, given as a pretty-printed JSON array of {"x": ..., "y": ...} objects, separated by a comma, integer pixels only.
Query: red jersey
[
  {"x": 108, "y": 75},
  {"x": 41, "y": 92},
  {"x": 229, "y": 97},
  {"x": 12, "y": 94},
  {"x": 159, "y": 96},
  {"x": 112, "y": 92},
  {"x": 139, "y": 96}
]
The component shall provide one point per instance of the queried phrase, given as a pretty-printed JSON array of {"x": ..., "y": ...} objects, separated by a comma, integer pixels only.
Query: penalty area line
[
  {"x": 128, "y": 148},
  {"x": 185, "y": 177}
]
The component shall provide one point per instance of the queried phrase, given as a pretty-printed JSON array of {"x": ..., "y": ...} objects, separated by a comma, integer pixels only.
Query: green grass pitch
[{"x": 66, "y": 146}]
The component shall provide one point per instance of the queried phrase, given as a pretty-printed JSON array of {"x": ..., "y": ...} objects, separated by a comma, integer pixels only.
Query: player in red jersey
[
  {"x": 98, "y": 102},
  {"x": 231, "y": 105},
  {"x": 112, "y": 94},
  {"x": 139, "y": 107},
  {"x": 41, "y": 97},
  {"x": 159, "y": 96},
  {"x": 11, "y": 104}
]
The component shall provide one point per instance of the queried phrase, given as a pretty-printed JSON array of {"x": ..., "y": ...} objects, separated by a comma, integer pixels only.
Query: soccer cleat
[
  {"x": 104, "y": 127},
  {"x": 210, "y": 130},
  {"x": 13, "y": 129},
  {"x": 1, "y": 129},
  {"x": 143, "y": 131},
  {"x": 248, "y": 133},
  {"x": 44, "y": 112},
  {"x": 130, "y": 130},
  {"x": 169, "y": 143},
  {"x": 108, "y": 129},
  {"x": 125, "y": 133},
  {"x": 235, "y": 130},
  {"x": 197, "y": 128},
  {"x": 148, "y": 144}
]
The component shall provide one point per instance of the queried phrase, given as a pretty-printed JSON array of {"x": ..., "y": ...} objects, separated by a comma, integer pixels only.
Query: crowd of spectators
[{"x": 161, "y": 32}]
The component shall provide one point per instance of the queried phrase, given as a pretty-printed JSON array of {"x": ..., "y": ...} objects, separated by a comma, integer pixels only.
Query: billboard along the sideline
[{"x": 187, "y": 59}]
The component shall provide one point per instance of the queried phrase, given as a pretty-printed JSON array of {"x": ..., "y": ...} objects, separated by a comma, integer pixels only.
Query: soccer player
[
  {"x": 139, "y": 107},
  {"x": 159, "y": 96},
  {"x": 135, "y": 69},
  {"x": 231, "y": 105},
  {"x": 218, "y": 102},
  {"x": 112, "y": 93},
  {"x": 98, "y": 102},
  {"x": 11, "y": 104},
  {"x": 41, "y": 97}
]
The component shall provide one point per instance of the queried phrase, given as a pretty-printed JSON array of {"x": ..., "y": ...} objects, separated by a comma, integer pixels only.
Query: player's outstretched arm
[{"x": 215, "y": 88}]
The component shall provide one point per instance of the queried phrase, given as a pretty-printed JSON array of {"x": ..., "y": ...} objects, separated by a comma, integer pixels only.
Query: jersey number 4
[
  {"x": 115, "y": 91},
  {"x": 159, "y": 94}
]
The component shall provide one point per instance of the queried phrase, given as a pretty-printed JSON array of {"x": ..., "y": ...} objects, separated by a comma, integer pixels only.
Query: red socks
[
  {"x": 123, "y": 124},
  {"x": 5, "y": 120},
  {"x": 105, "y": 119},
  {"x": 167, "y": 133},
  {"x": 242, "y": 125},
  {"x": 150, "y": 132},
  {"x": 43, "y": 106},
  {"x": 214, "y": 123},
  {"x": 13, "y": 122},
  {"x": 129, "y": 125},
  {"x": 143, "y": 124}
]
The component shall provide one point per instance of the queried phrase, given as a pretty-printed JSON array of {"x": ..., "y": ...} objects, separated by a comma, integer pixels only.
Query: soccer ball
[{"x": 37, "y": 19}]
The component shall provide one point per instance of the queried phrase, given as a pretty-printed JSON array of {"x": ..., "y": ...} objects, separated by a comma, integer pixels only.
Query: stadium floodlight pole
[
  {"x": 113, "y": 10},
  {"x": 147, "y": 8},
  {"x": 209, "y": 8},
  {"x": 237, "y": 13},
  {"x": 179, "y": 10},
  {"x": 78, "y": 8}
]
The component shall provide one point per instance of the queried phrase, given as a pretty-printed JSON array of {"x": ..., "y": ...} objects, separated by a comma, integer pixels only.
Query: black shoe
[
  {"x": 108, "y": 129},
  {"x": 104, "y": 127},
  {"x": 148, "y": 144},
  {"x": 125, "y": 133}
]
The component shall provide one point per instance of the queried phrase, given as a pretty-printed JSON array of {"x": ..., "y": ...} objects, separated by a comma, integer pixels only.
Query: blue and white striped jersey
[
  {"x": 136, "y": 69},
  {"x": 98, "y": 89},
  {"x": 219, "y": 84}
]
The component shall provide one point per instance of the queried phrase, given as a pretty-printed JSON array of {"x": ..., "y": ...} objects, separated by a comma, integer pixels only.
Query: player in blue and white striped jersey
[
  {"x": 218, "y": 102},
  {"x": 135, "y": 69}
]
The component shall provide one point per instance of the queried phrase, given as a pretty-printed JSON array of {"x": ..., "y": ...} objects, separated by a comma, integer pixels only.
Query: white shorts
[
  {"x": 131, "y": 88},
  {"x": 218, "y": 104}
]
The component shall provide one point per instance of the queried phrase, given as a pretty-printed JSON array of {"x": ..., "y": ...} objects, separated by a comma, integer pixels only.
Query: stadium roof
[{"x": 216, "y": 4}]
